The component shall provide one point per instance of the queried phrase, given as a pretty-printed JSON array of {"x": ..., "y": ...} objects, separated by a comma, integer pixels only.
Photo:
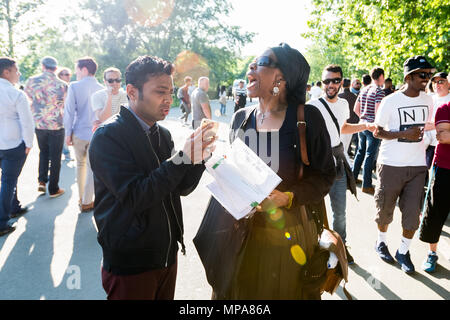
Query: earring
[{"x": 276, "y": 90}]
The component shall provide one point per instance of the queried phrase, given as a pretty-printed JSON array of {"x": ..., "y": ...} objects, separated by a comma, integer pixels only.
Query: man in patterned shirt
[
  {"x": 47, "y": 93},
  {"x": 366, "y": 106}
]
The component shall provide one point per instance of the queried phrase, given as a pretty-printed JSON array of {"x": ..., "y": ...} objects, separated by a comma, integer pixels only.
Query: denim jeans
[
  {"x": 50, "y": 145},
  {"x": 222, "y": 108},
  {"x": 367, "y": 152},
  {"x": 12, "y": 161},
  {"x": 338, "y": 200}
]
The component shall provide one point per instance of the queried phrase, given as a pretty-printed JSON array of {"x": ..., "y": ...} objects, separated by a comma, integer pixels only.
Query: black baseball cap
[
  {"x": 440, "y": 75},
  {"x": 416, "y": 63}
]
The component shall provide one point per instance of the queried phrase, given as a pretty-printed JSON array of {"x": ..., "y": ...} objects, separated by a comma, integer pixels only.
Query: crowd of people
[
  {"x": 130, "y": 174},
  {"x": 397, "y": 136}
]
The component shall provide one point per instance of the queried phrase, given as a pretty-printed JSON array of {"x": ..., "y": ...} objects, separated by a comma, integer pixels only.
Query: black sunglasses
[
  {"x": 64, "y": 74},
  {"x": 114, "y": 80},
  {"x": 335, "y": 81},
  {"x": 424, "y": 75},
  {"x": 266, "y": 61}
]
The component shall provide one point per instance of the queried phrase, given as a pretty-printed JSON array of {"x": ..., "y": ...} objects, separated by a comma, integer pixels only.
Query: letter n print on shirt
[{"x": 412, "y": 116}]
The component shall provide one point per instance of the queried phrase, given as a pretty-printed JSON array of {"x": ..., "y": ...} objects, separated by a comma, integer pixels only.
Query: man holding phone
[
  {"x": 139, "y": 179},
  {"x": 107, "y": 102},
  {"x": 401, "y": 120}
]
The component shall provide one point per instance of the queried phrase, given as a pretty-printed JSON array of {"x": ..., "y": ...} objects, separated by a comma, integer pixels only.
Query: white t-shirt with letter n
[{"x": 398, "y": 112}]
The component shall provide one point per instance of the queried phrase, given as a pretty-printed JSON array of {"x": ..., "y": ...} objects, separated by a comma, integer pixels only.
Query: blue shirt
[
  {"x": 78, "y": 114},
  {"x": 16, "y": 120}
]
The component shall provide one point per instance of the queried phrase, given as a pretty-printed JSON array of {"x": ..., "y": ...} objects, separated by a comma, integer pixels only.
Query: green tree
[
  {"x": 125, "y": 29},
  {"x": 11, "y": 13},
  {"x": 383, "y": 33}
]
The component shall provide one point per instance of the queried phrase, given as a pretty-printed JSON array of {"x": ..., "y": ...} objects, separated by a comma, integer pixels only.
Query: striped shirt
[{"x": 368, "y": 98}]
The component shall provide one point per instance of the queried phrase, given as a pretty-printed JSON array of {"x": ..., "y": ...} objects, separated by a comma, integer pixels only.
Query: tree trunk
[{"x": 10, "y": 28}]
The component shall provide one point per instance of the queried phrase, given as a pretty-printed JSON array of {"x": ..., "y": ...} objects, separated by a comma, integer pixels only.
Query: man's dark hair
[
  {"x": 376, "y": 73},
  {"x": 88, "y": 63},
  {"x": 144, "y": 67},
  {"x": 50, "y": 68},
  {"x": 334, "y": 68},
  {"x": 346, "y": 83},
  {"x": 319, "y": 83},
  {"x": 388, "y": 80},
  {"x": 6, "y": 63},
  {"x": 366, "y": 79}
]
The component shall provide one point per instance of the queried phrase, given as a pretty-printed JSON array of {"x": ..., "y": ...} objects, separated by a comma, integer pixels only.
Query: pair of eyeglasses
[
  {"x": 266, "y": 61},
  {"x": 440, "y": 81},
  {"x": 424, "y": 75},
  {"x": 114, "y": 80},
  {"x": 64, "y": 74},
  {"x": 334, "y": 81}
]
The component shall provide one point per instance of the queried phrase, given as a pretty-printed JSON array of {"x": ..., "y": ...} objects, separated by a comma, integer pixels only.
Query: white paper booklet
[{"x": 241, "y": 179}]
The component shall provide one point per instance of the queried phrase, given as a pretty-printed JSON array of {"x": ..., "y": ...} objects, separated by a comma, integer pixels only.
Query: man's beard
[{"x": 333, "y": 96}]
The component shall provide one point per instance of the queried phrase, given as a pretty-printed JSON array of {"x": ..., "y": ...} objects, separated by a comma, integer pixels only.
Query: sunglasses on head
[
  {"x": 266, "y": 61},
  {"x": 114, "y": 80},
  {"x": 424, "y": 75},
  {"x": 334, "y": 81}
]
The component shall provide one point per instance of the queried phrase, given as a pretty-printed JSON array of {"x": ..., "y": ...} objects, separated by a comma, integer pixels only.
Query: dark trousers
[
  {"x": 151, "y": 285},
  {"x": 430, "y": 156},
  {"x": 438, "y": 207},
  {"x": 50, "y": 146},
  {"x": 12, "y": 161},
  {"x": 367, "y": 152}
]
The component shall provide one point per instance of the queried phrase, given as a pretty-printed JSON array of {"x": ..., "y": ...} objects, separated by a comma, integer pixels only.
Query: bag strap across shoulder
[
  {"x": 301, "y": 126},
  {"x": 331, "y": 114}
]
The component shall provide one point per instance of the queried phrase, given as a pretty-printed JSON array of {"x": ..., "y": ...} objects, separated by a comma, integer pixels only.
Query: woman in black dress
[{"x": 277, "y": 246}]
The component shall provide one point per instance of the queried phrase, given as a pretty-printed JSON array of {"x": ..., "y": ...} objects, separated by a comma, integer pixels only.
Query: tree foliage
[
  {"x": 367, "y": 33},
  {"x": 11, "y": 14},
  {"x": 124, "y": 29}
]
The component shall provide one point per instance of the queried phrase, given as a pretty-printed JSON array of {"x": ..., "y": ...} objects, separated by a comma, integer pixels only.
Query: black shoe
[
  {"x": 19, "y": 213},
  {"x": 350, "y": 259},
  {"x": 8, "y": 229}
]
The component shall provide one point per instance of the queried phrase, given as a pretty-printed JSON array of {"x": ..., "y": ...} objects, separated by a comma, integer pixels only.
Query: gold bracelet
[{"x": 291, "y": 199}]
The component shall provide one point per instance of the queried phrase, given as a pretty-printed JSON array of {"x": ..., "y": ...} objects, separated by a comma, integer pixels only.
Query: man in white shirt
[
  {"x": 401, "y": 120},
  {"x": 441, "y": 96},
  {"x": 106, "y": 103},
  {"x": 16, "y": 140},
  {"x": 335, "y": 112}
]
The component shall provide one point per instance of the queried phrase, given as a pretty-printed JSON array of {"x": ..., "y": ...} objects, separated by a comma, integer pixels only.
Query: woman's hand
[{"x": 276, "y": 199}]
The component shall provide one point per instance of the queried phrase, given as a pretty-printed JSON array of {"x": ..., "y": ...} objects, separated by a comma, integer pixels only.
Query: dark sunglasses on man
[
  {"x": 266, "y": 61},
  {"x": 424, "y": 75},
  {"x": 334, "y": 81},
  {"x": 114, "y": 80},
  {"x": 65, "y": 74}
]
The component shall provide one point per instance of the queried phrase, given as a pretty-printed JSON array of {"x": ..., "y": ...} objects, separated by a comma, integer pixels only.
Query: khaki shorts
[{"x": 405, "y": 184}]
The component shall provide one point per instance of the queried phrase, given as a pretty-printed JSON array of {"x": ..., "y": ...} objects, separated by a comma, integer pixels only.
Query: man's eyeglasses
[
  {"x": 334, "y": 81},
  {"x": 424, "y": 75},
  {"x": 266, "y": 61},
  {"x": 65, "y": 74},
  {"x": 114, "y": 80}
]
